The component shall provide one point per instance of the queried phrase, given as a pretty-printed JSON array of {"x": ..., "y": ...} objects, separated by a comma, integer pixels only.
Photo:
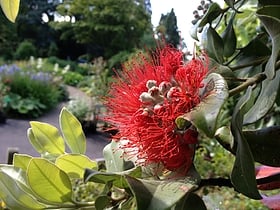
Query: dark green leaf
[
  {"x": 229, "y": 39},
  {"x": 212, "y": 13},
  {"x": 117, "y": 179},
  {"x": 158, "y": 195},
  {"x": 191, "y": 201},
  {"x": 102, "y": 202},
  {"x": 213, "y": 44},
  {"x": 265, "y": 100},
  {"x": 205, "y": 115},
  {"x": 243, "y": 173},
  {"x": 270, "y": 17},
  {"x": 265, "y": 144}
]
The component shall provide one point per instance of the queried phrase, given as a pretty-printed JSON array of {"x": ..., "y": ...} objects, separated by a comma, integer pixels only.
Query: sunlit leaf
[
  {"x": 270, "y": 17},
  {"x": 152, "y": 194},
  {"x": 114, "y": 159},
  {"x": 265, "y": 100},
  {"x": 49, "y": 182},
  {"x": 21, "y": 161},
  {"x": 72, "y": 132},
  {"x": 205, "y": 115},
  {"x": 14, "y": 196},
  {"x": 75, "y": 164},
  {"x": 47, "y": 138},
  {"x": 243, "y": 172},
  {"x": 10, "y": 8}
]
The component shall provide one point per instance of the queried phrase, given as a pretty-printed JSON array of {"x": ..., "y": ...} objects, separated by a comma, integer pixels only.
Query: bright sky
[{"x": 183, "y": 10}]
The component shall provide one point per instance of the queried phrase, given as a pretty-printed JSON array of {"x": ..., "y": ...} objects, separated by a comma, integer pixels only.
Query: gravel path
[{"x": 13, "y": 133}]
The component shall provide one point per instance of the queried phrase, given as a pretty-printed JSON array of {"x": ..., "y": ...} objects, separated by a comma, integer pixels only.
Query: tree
[
  {"x": 105, "y": 27},
  {"x": 167, "y": 29}
]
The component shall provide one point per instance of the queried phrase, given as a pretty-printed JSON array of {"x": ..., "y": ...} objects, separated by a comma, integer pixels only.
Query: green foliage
[
  {"x": 25, "y": 50},
  {"x": 30, "y": 93},
  {"x": 72, "y": 78}
]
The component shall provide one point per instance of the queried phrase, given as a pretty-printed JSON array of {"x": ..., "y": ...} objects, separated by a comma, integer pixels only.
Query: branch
[
  {"x": 250, "y": 81},
  {"x": 221, "y": 182}
]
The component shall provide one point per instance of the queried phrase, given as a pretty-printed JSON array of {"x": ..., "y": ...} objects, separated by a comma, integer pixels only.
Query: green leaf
[
  {"x": 205, "y": 115},
  {"x": 114, "y": 159},
  {"x": 265, "y": 100},
  {"x": 75, "y": 164},
  {"x": 191, "y": 201},
  {"x": 212, "y": 13},
  {"x": 265, "y": 144},
  {"x": 21, "y": 161},
  {"x": 153, "y": 194},
  {"x": 243, "y": 173},
  {"x": 13, "y": 194},
  {"x": 213, "y": 44},
  {"x": 72, "y": 132},
  {"x": 117, "y": 179},
  {"x": 10, "y": 8},
  {"x": 102, "y": 202},
  {"x": 270, "y": 17},
  {"x": 229, "y": 39},
  {"x": 49, "y": 182},
  {"x": 47, "y": 138}
]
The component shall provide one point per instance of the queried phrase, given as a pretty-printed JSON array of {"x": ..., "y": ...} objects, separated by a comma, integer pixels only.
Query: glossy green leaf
[
  {"x": 153, "y": 194},
  {"x": 21, "y": 161},
  {"x": 213, "y": 44},
  {"x": 205, "y": 115},
  {"x": 194, "y": 30},
  {"x": 46, "y": 138},
  {"x": 191, "y": 201},
  {"x": 270, "y": 17},
  {"x": 225, "y": 138},
  {"x": 72, "y": 132},
  {"x": 229, "y": 39},
  {"x": 10, "y": 8},
  {"x": 75, "y": 164},
  {"x": 117, "y": 179},
  {"x": 243, "y": 173},
  {"x": 265, "y": 100},
  {"x": 212, "y": 13},
  {"x": 49, "y": 182},
  {"x": 265, "y": 144},
  {"x": 13, "y": 194},
  {"x": 114, "y": 159}
]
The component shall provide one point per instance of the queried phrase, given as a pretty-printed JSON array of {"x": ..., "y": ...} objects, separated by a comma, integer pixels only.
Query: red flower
[{"x": 145, "y": 101}]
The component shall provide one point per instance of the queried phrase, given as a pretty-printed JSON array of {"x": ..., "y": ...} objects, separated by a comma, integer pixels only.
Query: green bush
[
  {"x": 72, "y": 78},
  {"x": 25, "y": 50},
  {"x": 30, "y": 94}
]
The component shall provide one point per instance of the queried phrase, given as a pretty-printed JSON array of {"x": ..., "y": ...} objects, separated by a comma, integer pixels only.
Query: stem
[
  {"x": 250, "y": 81},
  {"x": 220, "y": 182}
]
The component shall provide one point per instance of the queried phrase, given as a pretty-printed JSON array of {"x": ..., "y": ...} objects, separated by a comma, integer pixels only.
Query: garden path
[{"x": 13, "y": 133}]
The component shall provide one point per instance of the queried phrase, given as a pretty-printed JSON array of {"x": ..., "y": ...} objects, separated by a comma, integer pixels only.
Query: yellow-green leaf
[
  {"x": 49, "y": 182},
  {"x": 75, "y": 164},
  {"x": 72, "y": 132},
  {"x": 21, "y": 161},
  {"x": 10, "y": 8}
]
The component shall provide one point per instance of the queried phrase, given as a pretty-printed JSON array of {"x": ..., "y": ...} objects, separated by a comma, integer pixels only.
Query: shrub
[
  {"x": 25, "y": 50},
  {"x": 30, "y": 93}
]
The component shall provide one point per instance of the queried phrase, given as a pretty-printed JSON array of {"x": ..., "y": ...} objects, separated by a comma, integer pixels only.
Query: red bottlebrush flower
[{"x": 145, "y": 101}]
